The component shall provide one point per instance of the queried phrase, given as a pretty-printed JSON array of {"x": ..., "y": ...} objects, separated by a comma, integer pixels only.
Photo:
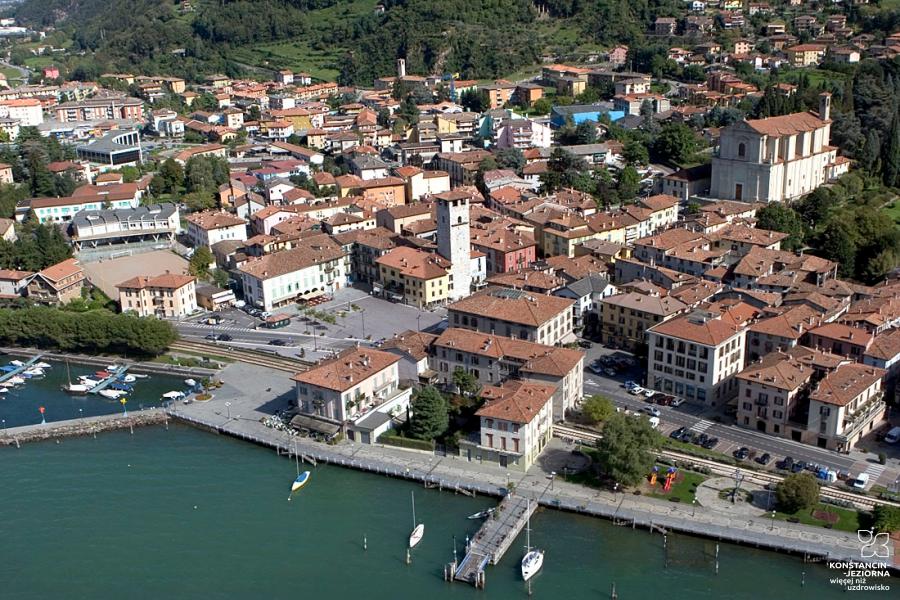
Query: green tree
[
  {"x": 205, "y": 173},
  {"x": 172, "y": 177},
  {"x": 510, "y": 158},
  {"x": 779, "y": 217},
  {"x": 635, "y": 153},
  {"x": 837, "y": 242},
  {"x": 598, "y": 408},
  {"x": 886, "y": 518},
  {"x": 796, "y": 492},
  {"x": 542, "y": 106},
  {"x": 200, "y": 200},
  {"x": 465, "y": 382},
  {"x": 474, "y": 100},
  {"x": 629, "y": 183},
  {"x": 200, "y": 261},
  {"x": 430, "y": 414},
  {"x": 891, "y": 159},
  {"x": 220, "y": 278},
  {"x": 675, "y": 143},
  {"x": 625, "y": 450}
]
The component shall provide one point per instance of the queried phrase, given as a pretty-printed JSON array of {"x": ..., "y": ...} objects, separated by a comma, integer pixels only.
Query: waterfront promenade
[{"x": 251, "y": 394}]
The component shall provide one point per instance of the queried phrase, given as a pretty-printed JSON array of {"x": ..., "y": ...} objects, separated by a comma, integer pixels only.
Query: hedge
[{"x": 405, "y": 442}]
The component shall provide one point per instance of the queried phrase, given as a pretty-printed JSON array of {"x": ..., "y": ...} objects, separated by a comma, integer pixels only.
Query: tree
[
  {"x": 635, "y": 153},
  {"x": 565, "y": 170},
  {"x": 629, "y": 183},
  {"x": 624, "y": 451},
  {"x": 886, "y": 518},
  {"x": 837, "y": 242},
  {"x": 796, "y": 492},
  {"x": 598, "y": 408},
  {"x": 465, "y": 382},
  {"x": 474, "y": 100},
  {"x": 205, "y": 173},
  {"x": 675, "y": 143},
  {"x": 200, "y": 261},
  {"x": 510, "y": 158},
  {"x": 171, "y": 175},
  {"x": 779, "y": 217},
  {"x": 542, "y": 106},
  {"x": 430, "y": 414},
  {"x": 220, "y": 278},
  {"x": 197, "y": 201}
]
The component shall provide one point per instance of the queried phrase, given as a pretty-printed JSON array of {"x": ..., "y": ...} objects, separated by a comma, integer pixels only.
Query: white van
[
  {"x": 893, "y": 436},
  {"x": 654, "y": 422},
  {"x": 861, "y": 481}
]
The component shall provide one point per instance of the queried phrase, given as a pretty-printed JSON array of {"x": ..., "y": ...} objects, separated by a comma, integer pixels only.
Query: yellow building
[
  {"x": 414, "y": 276},
  {"x": 625, "y": 317},
  {"x": 562, "y": 234}
]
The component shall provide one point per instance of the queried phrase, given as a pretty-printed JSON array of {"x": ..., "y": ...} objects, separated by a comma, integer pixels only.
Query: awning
[{"x": 315, "y": 424}]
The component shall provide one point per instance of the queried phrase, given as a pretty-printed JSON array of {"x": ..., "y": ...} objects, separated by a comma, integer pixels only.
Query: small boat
[
  {"x": 102, "y": 374},
  {"x": 111, "y": 368},
  {"x": 137, "y": 375},
  {"x": 17, "y": 363},
  {"x": 88, "y": 381},
  {"x": 111, "y": 394},
  {"x": 534, "y": 558},
  {"x": 76, "y": 388},
  {"x": 128, "y": 379},
  {"x": 7, "y": 384},
  {"x": 418, "y": 530},
  {"x": 121, "y": 387},
  {"x": 16, "y": 380},
  {"x": 190, "y": 383},
  {"x": 8, "y": 368},
  {"x": 4, "y": 390},
  {"x": 42, "y": 365},
  {"x": 484, "y": 514},
  {"x": 173, "y": 395},
  {"x": 35, "y": 372},
  {"x": 301, "y": 480}
]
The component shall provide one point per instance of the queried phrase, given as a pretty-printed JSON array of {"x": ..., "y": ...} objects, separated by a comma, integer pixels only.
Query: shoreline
[{"x": 812, "y": 551}]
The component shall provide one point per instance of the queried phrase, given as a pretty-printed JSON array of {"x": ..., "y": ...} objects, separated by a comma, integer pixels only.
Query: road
[
  {"x": 701, "y": 420},
  {"x": 25, "y": 74}
]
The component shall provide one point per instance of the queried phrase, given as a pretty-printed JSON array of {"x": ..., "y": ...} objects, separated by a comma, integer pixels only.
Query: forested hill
[{"x": 476, "y": 38}]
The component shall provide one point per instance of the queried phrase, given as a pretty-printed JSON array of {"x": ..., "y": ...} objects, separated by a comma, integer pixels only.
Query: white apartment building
[
  {"x": 696, "y": 357},
  {"x": 778, "y": 158},
  {"x": 846, "y": 405},
  {"x": 165, "y": 296},
  {"x": 524, "y": 134},
  {"x": 358, "y": 389},
  {"x": 27, "y": 111},
  {"x": 314, "y": 267},
  {"x": 515, "y": 425},
  {"x": 210, "y": 227}
]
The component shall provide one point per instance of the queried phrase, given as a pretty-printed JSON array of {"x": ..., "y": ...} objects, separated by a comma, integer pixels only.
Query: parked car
[
  {"x": 596, "y": 369},
  {"x": 710, "y": 443},
  {"x": 677, "y": 401},
  {"x": 701, "y": 439},
  {"x": 648, "y": 393},
  {"x": 636, "y": 390},
  {"x": 584, "y": 344},
  {"x": 676, "y": 435},
  {"x": 610, "y": 372},
  {"x": 212, "y": 336},
  {"x": 798, "y": 466},
  {"x": 630, "y": 384},
  {"x": 786, "y": 464},
  {"x": 278, "y": 342},
  {"x": 652, "y": 411},
  {"x": 765, "y": 459},
  {"x": 741, "y": 453},
  {"x": 861, "y": 481},
  {"x": 656, "y": 398},
  {"x": 219, "y": 337},
  {"x": 688, "y": 437}
]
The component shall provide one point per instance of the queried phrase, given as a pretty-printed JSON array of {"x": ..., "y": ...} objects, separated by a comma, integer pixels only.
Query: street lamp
[
  {"x": 772, "y": 526},
  {"x": 694, "y": 507},
  {"x": 80, "y": 413},
  {"x": 738, "y": 479},
  {"x": 419, "y": 322},
  {"x": 228, "y": 409},
  {"x": 362, "y": 313},
  {"x": 552, "y": 477}
]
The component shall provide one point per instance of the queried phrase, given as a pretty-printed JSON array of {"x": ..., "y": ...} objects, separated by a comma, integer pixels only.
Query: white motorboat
[
  {"x": 483, "y": 514},
  {"x": 112, "y": 394},
  {"x": 173, "y": 395},
  {"x": 418, "y": 529},
  {"x": 76, "y": 388},
  {"x": 112, "y": 368},
  {"x": 88, "y": 380},
  {"x": 34, "y": 372},
  {"x": 16, "y": 380},
  {"x": 190, "y": 382},
  {"x": 534, "y": 558},
  {"x": 42, "y": 365},
  {"x": 6, "y": 384},
  {"x": 128, "y": 379},
  {"x": 4, "y": 390},
  {"x": 17, "y": 363},
  {"x": 138, "y": 375}
]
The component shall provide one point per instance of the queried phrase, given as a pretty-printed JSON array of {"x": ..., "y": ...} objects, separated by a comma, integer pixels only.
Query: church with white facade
[{"x": 778, "y": 158}]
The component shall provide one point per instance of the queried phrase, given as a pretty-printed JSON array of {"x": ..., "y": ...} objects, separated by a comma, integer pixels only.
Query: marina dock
[
  {"x": 28, "y": 364},
  {"x": 113, "y": 376},
  {"x": 494, "y": 539}
]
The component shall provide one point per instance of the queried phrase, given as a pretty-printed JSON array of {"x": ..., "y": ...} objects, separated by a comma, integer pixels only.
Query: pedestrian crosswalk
[
  {"x": 875, "y": 471},
  {"x": 701, "y": 426}
]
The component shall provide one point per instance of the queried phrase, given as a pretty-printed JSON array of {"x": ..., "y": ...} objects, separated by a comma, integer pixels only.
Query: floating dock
[
  {"x": 28, "y": 364},
  {"x": 494, "y": 539},
  {"x": 119, "y": 371}
]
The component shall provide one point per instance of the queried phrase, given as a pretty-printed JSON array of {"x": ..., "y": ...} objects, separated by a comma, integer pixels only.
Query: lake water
[
  {"x": 180, "y": 513},
  {"x": 21, "y": 405}
]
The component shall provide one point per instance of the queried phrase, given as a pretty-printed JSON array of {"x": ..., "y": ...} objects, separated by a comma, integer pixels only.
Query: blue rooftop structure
[{"x": 584, "y": 112}]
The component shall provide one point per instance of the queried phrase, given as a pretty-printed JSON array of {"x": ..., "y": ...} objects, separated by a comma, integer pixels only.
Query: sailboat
[
  {"x": 418, "y": 529},
  {"x": 302, "y": 478},
  {"x": 74, "y": 388},
  {"x": 534, "y": 558}
]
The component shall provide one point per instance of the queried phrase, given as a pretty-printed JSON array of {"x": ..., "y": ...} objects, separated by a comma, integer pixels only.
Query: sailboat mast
[
  {"x": 528, "y": 527},
  {"x": 413, "y": 496}
]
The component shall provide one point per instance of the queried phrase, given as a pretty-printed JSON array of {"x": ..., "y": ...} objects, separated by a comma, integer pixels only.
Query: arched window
[
  {"x": 459, "y": 219},
  {"x": 742, "y": 150}
]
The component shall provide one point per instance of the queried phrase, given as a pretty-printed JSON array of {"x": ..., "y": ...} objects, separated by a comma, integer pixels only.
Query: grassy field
[
  {"x": 843, "y": 519},
  {"x": 893, "y": 211},
  {"x": 298, "y": 55}
]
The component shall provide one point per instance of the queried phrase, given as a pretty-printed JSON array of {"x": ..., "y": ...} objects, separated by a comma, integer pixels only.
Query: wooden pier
[
  {"x": 113, "y": 376},
  {"x": 27, "y": 365},
  {"x": 494, "y": 539}
]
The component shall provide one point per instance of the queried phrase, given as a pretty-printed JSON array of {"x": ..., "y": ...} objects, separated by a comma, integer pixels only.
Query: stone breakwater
[{"x": 82, "y": 427}]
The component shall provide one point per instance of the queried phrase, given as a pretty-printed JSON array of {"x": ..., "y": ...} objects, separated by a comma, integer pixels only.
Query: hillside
[{"x": 345, "y": 38}]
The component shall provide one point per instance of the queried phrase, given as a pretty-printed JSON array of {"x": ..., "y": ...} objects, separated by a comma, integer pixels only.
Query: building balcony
[
  {"x": 392, "y": 400},
  {"x": 856, "y": 422}
]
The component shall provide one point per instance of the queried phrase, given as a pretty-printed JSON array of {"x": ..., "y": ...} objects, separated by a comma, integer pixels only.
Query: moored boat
[
  {"x": 418, "y": 529},
  {"x": 112, "y": 394},
  {"x": 190, "y": 382},
  {"x": 301, "y": 480},
  {"x": 76, "y": 388},
  {"x": 173, "y": 395},
  {"x": 534, "y": 558},
  {"x": 483, "y": 514}
]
